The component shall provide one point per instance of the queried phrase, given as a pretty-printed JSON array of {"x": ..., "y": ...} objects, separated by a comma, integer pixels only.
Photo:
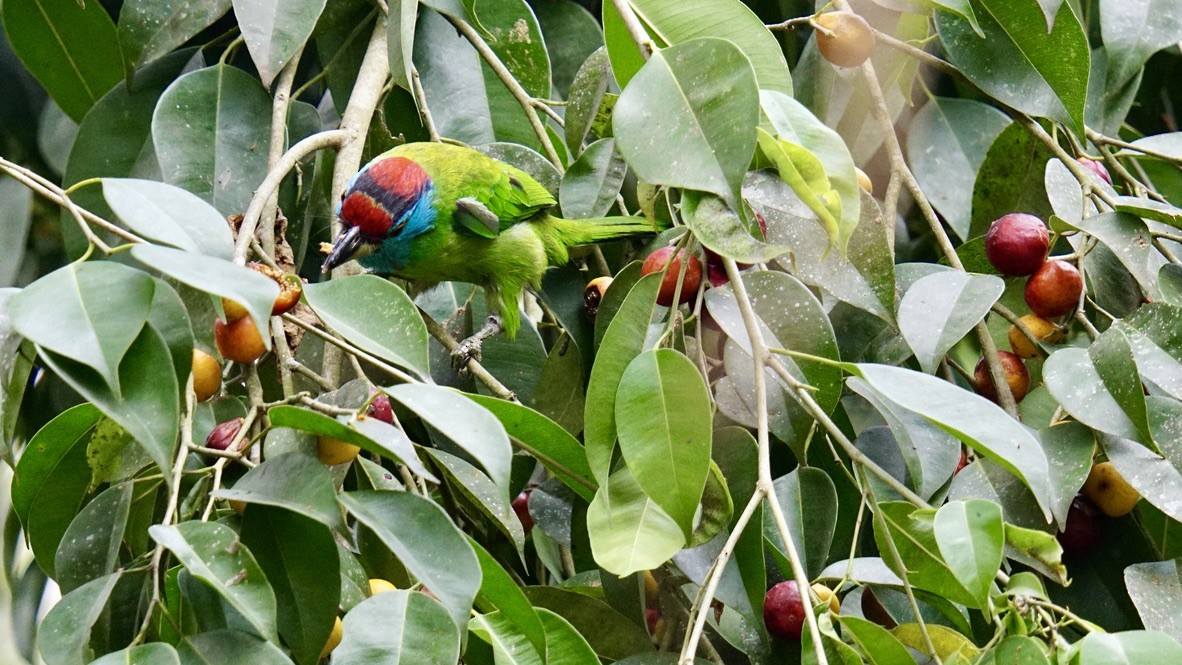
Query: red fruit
[
  {"x": 964, "y": 461},
  {"x": 1085, "y": 527},
  {"x": 239, "y": 340},
  {"x": 223, "y": 435},
  {"x": 1054, "y": 290},
  {"x": 657, "y": 261},
  {"x": 651, "y": 617},
  {"x": 783, "y": 611},
  {"x": 1097, "y": 168},
  {"x": 380, "y": 409},
  {"x": 1017, "y": 244},
  {"x": 521, "y": 507},
  {"x": 1016, "y": 376}
]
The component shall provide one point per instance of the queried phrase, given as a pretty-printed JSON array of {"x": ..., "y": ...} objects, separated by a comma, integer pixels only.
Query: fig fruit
[
  {"x": 593, "y": 295},
  {"x": 850, "y": 40},
  {"x": 783, "y": 611},
  {"x": 239, "y": 340},
  {"x": 1016, "y": 376},
  {"x": 1054, "y": 289},
  {"x": 1042, "y": 329},
  {"x": 664, "y": 256},
  {"x": 1111, "y": 493},
  {"x": 207, "y": 375},
  {"x": 1017, "y": 244}
]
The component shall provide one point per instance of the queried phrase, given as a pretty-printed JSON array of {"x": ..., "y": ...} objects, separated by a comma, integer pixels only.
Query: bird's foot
[{"x": 469, "y": 349}]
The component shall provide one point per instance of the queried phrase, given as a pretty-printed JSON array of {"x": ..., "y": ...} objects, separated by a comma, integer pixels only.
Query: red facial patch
[
  {"x": 360, "y": 210},
  {"x": 399, "y": 176}
]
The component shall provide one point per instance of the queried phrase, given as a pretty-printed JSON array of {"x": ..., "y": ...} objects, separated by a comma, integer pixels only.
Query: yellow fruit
[
  {"x": 849, "y": 40},
  {"x": 238, "y": 506},
  {"x": 825, "y": 593},
  {"x": 1042, "y": 329},
  {"x": 864, "y": 181},
  {"x": 239, "y": 340},
  {"x": 334, "y": 451},
  {"x": 652, "y": 592},
  {"x": 377, "y": 586},
  {"x": 233, "y": 309},
  {"x": 334, "y": 638},
  {"x": 207, "y": 375},
  {"x": 1109, "y": 491}
]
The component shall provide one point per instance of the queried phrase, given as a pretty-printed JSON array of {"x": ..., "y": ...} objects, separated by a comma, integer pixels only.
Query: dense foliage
[{"x": 199, "y": 470}]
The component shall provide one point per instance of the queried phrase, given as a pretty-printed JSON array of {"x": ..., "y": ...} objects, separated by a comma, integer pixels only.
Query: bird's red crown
[{"x": 380, "y": 195}]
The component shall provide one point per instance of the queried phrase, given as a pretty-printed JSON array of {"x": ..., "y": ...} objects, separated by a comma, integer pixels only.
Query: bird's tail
[{"x": 575, "y": 232}]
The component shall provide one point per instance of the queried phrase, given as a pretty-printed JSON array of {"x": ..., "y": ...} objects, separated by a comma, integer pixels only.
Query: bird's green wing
[{"x": 504, "y": 197}]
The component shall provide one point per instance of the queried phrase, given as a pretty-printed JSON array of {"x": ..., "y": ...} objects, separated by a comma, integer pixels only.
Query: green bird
[{"x": 436, "y": 212}]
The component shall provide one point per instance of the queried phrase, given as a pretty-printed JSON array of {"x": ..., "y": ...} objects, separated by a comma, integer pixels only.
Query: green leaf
[
  {"x": 806, "y": 176},
  {"x": 64, "y": 635},
  {"x": 572, "y": 34},
  {"x": 376, "y": 315},
  {"x": 69, "y": 312},
  {"x": 169, "y": 215},
  {"x": 913, "y": 532},
  {"x": 1169, "y": 143},
  {"x": 1037, "y": 549},
  {"x": 16, "y": 216},
  {"x": 149, "y": 29},
  {"x": 1156, "y": 477},
  {"x": 1135, "y": 647},
  {"x": 211, "y": 128},
  {"x": 721, "y": 230},
  {"x": 971, "y": 418},
  {"x": 612, "y": 635},
  {"x": 468, "y": 425},
  {"x": 963, "y": 130},
  {"x": 1074, "y": 380},
  {"x": 948, "y": 642},
  {"x": 400, "y": 41},
  {"x": 477, "y": 491},
  {"x": 213, "y": 554},
  {"x": 293, "y": 481},
  {"x": 397, "y": 627},
  {"x": 676, "y": 21},
  {"x": 274, "y": 31},
  {"x": 423, "y": 538},
  {"x": 797, "y": 125},
  {"x": 970, "y": 535},
  {"x": 512, "y": 31},
  {"x": 55, "y": 460},
  {"x": 152, "y": 653},
  {"x": 542, "y": 438},
  {"x": 299, "y": 557},
  {"x": 564, "y": 644},
  {"x": 219, "y": 277},
  {"x": 812, "y": 527},
  {"x": 875, "y": 642},
  {"x": 627, "y": 336},
  {"x": 664, "y": 423},
  {"x": 1069, "y": 447},
  {"x": 560, "y": 393},
  {"x": 628, "y": 531},
  {"x": 90, "y": 546},
  {"x": 591, "y": 184},
  {"x": 1009, "y": 179},
  {"x": 1155, "y": 587},
  {"x": 72, "y": 49},
  {"x": 453, "y": 82},
  {"x": 697, "y": 102},
  {"x": 940, "y": 309},
  {"x": 509, "y": 646},
  {"x": 1018, "y": 62},
  {"x": 1133, "y": 30},
  {"x": 499, "y": 592},
  {"x": 369, "y": 434},
  {"x": 1128, "y": 238},
  {"x": 588, "y": 91},
  {"x": 229, "y": 646}
]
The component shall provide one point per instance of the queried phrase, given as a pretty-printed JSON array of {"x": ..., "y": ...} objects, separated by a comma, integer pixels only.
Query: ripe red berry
[
  {"x": 1085, "y": 527},
  {"x": 964, "y": 461},
  {"x": 380, "y": 409},
  {"x": 783, "y": 611},
  {"x": 223, "y": 435},
  {"x": 1016, "y": 376},
  {"x": 693, "y": 274},
  {"x": 1017, "y": 244},
  {"x": 1097, "y": 168},
  {"x": 1054, "y": 290},
  {"x": 521, "y": 507}
]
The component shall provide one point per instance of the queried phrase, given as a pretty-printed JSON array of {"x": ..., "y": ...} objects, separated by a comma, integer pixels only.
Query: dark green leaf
[
  {"x": 480, "y": 493},
  {"x": 1133, "y": 30},
  {"x": 64, "y": 635},
  {"x": 564, "y": 644},
  {"x": 453, "y": 81},
  {"x": 572, "y": 34},
  {"x": 970, "y": 535},
  {"x": 940, "y": 309},
  {"x": 499, "y": 592},
  {"x": 293, "y": 481},
  {"x": 591, "y": 84},
  {"x": 809, "y": 502},
  {"x": 591, "y": 184},
  {"x": 398, "y": 627},
  {"x": 913, "y": 534},
  {"x": 229, "y": 646},
  {"x": 875, "y": 642},
  {"x": 152, "y": 653},
  {"x": 275, "y": 31},
  {"x": 610, "y": 634},
  {"x": 1009, "y": 178},
  {"x": 90, "y": 546},
  {"x": 149, "y": 29},
  {"x": 509, "y": 645}
]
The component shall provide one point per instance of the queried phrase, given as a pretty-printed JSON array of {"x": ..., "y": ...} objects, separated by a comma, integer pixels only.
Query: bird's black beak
[{"x": 345, "y": 247}]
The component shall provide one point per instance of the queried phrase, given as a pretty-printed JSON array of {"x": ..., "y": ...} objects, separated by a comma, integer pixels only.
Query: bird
[{"x": 440, "y": 212}]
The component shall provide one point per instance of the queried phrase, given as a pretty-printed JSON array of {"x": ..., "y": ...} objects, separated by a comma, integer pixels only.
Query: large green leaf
[
  {"x": 479, "y": 495},
  {"x": 688, "y": 118},
  {"x": 676, "y": 21},
  {"x": 1128, "y": 238},
  {"x": 664, "y": 423},
  {"x": 149, "y": 29},
  {"x": 299, "y": 557},
  {"x": 229, "y": 646},
  {"x": 211, "y": 129},
  {"x": 219, "y": 277},
  {"x": 1018, "y": 62},
  {"x": 152, "y": 653},
  {"x": 1156, "y": 589},
  {"x": 498, "y": 591},
  {"x": 572, "y": 34},
  {"x": 1156, "y": 477},
  {"x": 564, "y": 644},
  {"x": 1009, "y": 180},
  {"x": 453, "y": 81},
  {"x": 297, "y": 482},
  {"x": 875, "y": 642},
  {"x": 369, "y": 434},
  {"x": 913, "y": 533},
  {"x": 940, "y": 309},
  {"x": 64, "y": 635},
  {"x": 809, "y": 501},
  {"x": 169, "y": 215},
  {"x": 90, "y": 546},
  {"x": 467, "y": 424},
  {"x": 1136, "y": 647},
  {"x": 70, "y": 312},
  {"x": 971, "y": 418},
  {"x": 592, "y": 182},
  {"x": 512, "y": 31},
  {"x": 1074, "y": 380},
  {"x": 374, "y": 314},
  {"x": 397, "y": 627},
  {"x": 963, "y": 130},
  {"x": 591, "y": 87},
  {"x": 971, "y": 536},
  {"x": 628, "y": 531},
  {"x": 612, "y": 635},
  {"x": 16, "y": 216},
  {"x": 72, "y": 48},
  {"x": 275, "y": 30},
  {"x": 509, "y": 645},
  {"x": 627, "y": 336},
  {"x": 423, "y": 538},
  {"x": 1133, "y": 30}
]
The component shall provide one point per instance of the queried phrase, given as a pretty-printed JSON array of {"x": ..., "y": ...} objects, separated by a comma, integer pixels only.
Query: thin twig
[
  {"x": 634, "y": 27},
  {"x": 421, "y": 99},
  {"x": 474, "y": 367}
]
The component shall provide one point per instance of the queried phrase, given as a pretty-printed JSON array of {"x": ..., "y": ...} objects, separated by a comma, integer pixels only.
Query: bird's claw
[{"x": 465, "y": 353}]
